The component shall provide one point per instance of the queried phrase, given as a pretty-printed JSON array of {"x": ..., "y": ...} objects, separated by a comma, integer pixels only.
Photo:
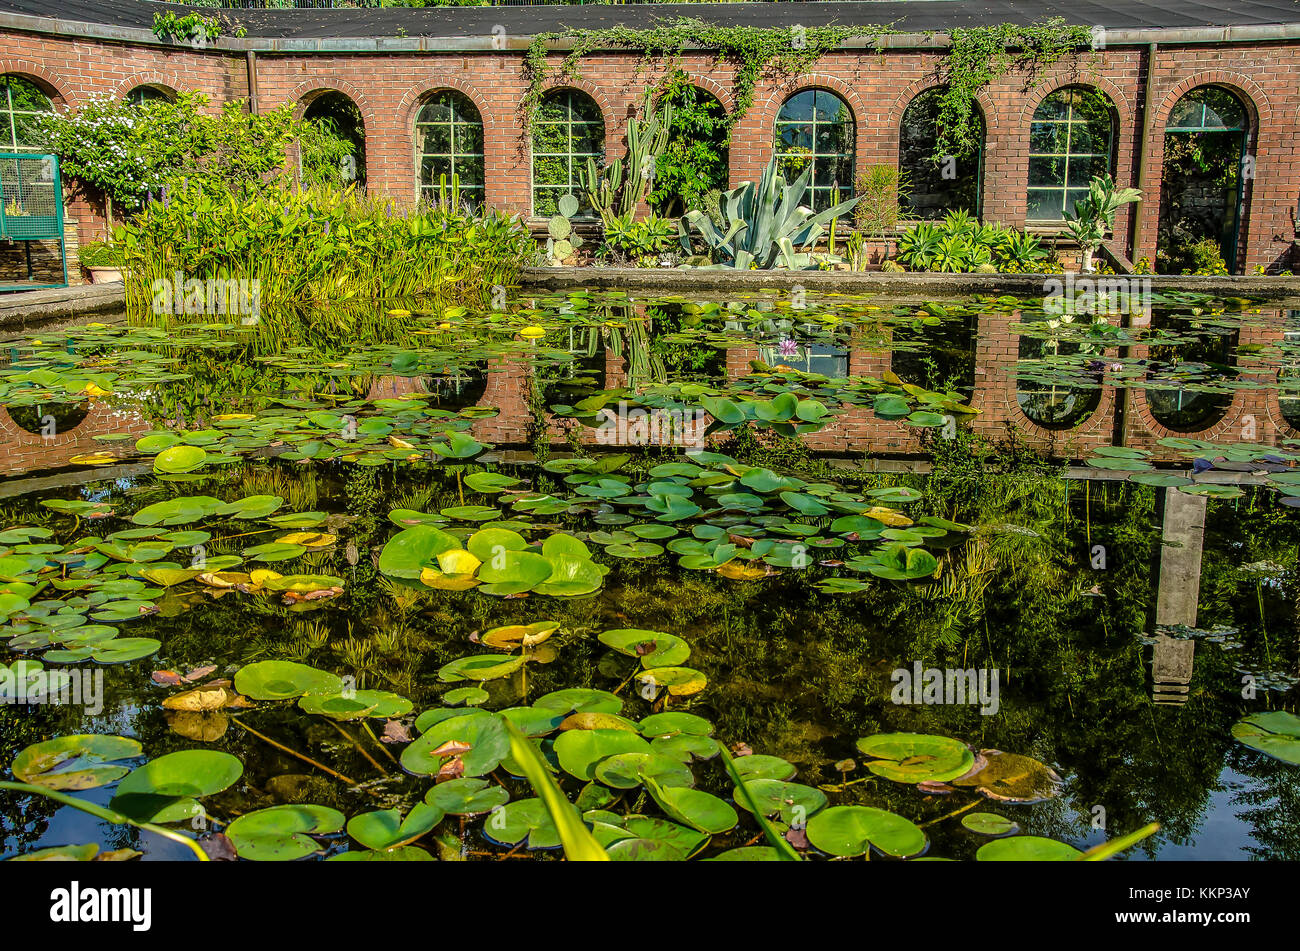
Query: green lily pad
[
  {"x": 282, "y": 833},
  {"x": 386, "y": 829},
  {"x": 916, "y": 757},
  {"x": 1276, "y": 734},
  {"x": 283, "y": 680},
  {"x": 467, "y": 797},
  {"x": 852, "y": 830},
  {"x": 167, "y": 789},
  {"x": 1026, "y": 848},
  {"x": 73, "y": 762}
]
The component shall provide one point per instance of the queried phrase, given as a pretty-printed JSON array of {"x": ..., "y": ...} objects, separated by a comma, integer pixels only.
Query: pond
[{"x": 763, "y": 577}]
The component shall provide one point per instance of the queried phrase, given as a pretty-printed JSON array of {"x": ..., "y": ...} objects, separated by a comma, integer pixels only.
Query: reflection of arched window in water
[
  {"x": 1185, "y": 378},
  {"x": 575, "y": 379},
  {"x": 1056, "y": 382},
  {"x": 1288, "y": 372},
  {"x": 798, "y": 347},
  {"x": 49, "y": 419},
  {"x": 457, "y": 387},
  {"x": 678, "y": 343},
  {"x": 939, "y": 356}
]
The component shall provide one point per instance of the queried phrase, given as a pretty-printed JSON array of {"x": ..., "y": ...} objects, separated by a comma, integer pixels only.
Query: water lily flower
[{"x": 787, "y": 347}]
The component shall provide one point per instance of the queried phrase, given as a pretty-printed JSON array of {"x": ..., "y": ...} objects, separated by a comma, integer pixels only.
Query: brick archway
[
  {"x": 1259, "y": 115},
  {"x": 168, "y": 81},
  {"x": 47, "y": 80}
]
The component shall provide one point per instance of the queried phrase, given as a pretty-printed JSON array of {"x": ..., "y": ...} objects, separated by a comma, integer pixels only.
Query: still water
[{"x": 1090, "y": 515}]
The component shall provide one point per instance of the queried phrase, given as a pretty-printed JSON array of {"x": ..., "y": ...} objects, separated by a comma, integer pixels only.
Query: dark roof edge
[{"x": 1273, "y": 32}]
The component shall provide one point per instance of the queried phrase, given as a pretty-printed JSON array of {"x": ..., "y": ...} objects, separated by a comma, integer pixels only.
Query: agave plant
[{"x": 763, "y": 223}]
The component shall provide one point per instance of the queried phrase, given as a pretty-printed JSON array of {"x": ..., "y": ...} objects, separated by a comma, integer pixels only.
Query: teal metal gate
[{"x": 31, "y": 209}]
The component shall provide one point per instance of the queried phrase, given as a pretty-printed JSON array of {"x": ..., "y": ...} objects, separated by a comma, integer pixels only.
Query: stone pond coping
[
  {"x": 21, "y": 309},
  {"x": 676, "y": 281}
]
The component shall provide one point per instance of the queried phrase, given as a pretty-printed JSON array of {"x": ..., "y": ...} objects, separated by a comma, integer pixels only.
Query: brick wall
[{"x": 388, "y": 89}]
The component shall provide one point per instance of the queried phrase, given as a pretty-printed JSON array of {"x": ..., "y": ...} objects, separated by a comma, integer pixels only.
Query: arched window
[
  {"x": 934, "y": 188},
  {"x": 816, "y": 126},
  {"x": 1189, "y": 382},
  {"x": 20, "y": 102},
  {"x": 1070, "y": 141},
  {"x": 449, "y": 140},
  {"x": 142, "y": 94},
  {"x": 567, "y": 131},
  {"x": 1201, "y": 182},
  {"x": 1053, "y": 389},
  {"x": 335, "y": 153},
  {"x": 694, "y": 162}
]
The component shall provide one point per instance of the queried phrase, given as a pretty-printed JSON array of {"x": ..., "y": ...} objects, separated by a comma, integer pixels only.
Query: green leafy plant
[
  {"x": 642, "y": 242},
  {"x": 980, "y": 55},
  {"x": 881, "y": 189},
  {"x": 1094, "y": 215},
  {"x": 764, "y": 223}
]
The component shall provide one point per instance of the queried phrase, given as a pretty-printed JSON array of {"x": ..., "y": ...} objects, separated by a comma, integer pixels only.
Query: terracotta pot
[{"x": 105, "y": 275}]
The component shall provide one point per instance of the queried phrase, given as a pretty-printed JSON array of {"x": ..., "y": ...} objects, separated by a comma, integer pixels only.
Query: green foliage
[
  {"x": 98, "y": 254},
  {"x": 751, "y": 51},
  {"x": 320, "y": 244},
  {"x": 694, "y": 161},
  {"x": 641, "y": 242},
  {"x": 980, "y": 55},
  {"x": 764, "y": 223},
  {"x": 192, "y": 27},
  {"x": 960, "y": 244},
  {"x": 1094, "y": 214},
  {"x": 127, "y": 152}
]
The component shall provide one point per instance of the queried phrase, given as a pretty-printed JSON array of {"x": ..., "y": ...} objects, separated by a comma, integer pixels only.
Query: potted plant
[
  {"x": 1094, "y": 216},
  {"x": 103, "y": 262}
]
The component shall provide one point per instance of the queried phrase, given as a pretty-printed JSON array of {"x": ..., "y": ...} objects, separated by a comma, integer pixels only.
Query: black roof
[{"x": 919, "y": 16}]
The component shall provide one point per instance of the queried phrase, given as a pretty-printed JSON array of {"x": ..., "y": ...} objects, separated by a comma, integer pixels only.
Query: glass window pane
[
  {"x": 816, "y": 127},
  {"x": 573, "y": 131},
  {"x": 449, "y": 139},
  {"x": 1071, "y": 141},
  {"x": 20, "y": 100},
  {"x": 1044, "y": 205},
  {"x": 1046, "y": 170}
]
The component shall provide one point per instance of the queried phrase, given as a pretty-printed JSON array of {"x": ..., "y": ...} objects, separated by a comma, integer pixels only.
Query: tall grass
[{"x": 320, "y": 245}]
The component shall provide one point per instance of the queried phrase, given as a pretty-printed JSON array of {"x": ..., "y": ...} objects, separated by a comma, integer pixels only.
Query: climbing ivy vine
[
  {"x": 750, "y": 51},
  {"x": 979, "y": 55}
]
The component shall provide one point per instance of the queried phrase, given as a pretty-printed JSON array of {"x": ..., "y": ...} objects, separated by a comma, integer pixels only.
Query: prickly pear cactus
[{"x": 562, "y": 241}]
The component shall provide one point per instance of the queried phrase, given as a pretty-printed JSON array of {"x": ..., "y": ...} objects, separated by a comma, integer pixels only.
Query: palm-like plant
[{"x": 1094, "y": 214}]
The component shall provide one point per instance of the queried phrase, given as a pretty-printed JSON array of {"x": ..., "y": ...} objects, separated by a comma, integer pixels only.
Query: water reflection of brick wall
[
  {"x": 1254, "y": 415},
  {"x": 22, "y": 451}
]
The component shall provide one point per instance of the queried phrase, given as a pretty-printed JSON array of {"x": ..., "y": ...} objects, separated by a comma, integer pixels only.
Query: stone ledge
[
  {"x": 698, "y": 281},
  {"x": 27, "y": 308}
]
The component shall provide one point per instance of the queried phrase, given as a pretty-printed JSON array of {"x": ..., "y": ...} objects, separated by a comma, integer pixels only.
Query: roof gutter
[{"x": 18, "y": 22}]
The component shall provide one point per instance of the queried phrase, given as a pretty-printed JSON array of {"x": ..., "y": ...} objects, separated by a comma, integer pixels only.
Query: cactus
[
  {"x": 562, "y": 241},
  {"x": 559, "y": 227},
  {"x": 606, "y": 187}
]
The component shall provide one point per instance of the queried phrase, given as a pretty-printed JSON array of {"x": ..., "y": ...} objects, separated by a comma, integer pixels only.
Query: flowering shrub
[{"x": 126, "y": 151}]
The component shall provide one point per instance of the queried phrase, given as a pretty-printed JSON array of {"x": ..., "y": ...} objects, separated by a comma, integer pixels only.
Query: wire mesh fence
[{"x": 31, "y": 206}]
